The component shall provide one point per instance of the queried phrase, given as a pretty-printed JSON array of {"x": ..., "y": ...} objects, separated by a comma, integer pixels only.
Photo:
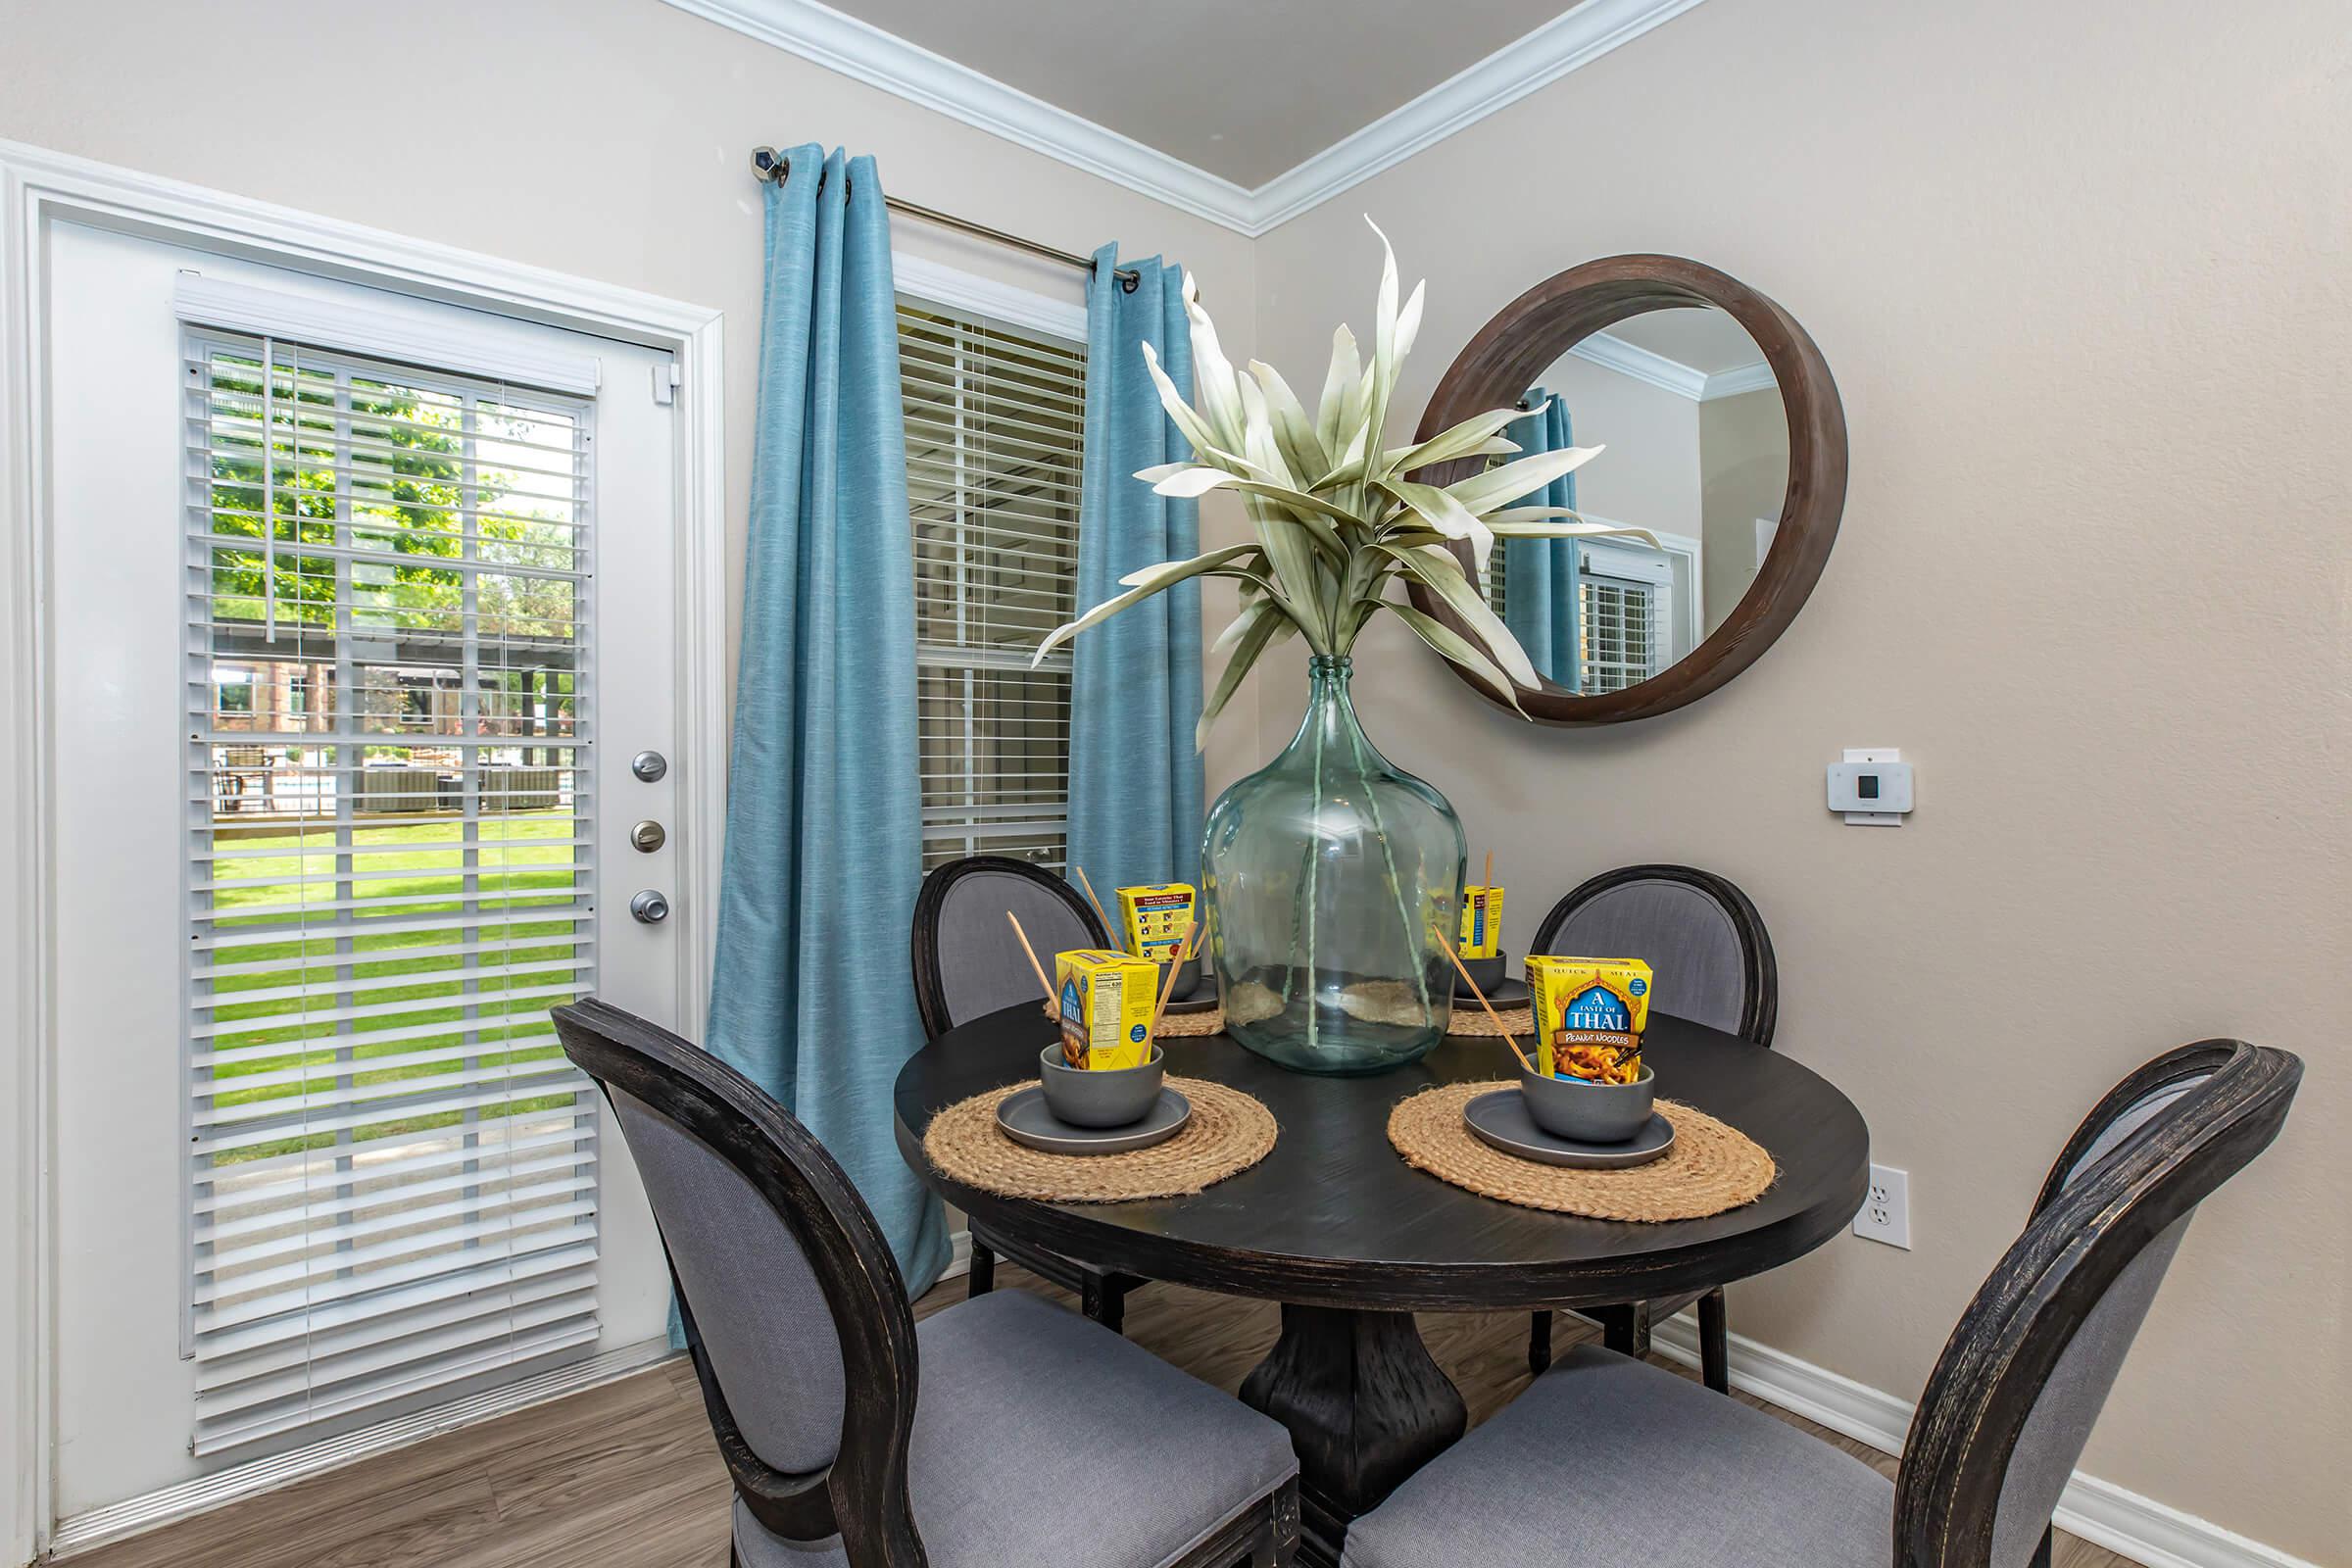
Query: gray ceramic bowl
[
  {"x": 1101, "y": 1097},
  {"x": 1188, "y": 982},
  {"x": 1489, "y": 973},
  {"x": 1589, "y": 1112}
]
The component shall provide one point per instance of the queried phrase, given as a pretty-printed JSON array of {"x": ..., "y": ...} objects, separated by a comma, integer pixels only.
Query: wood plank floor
[{"x": 625, "y": 1476}]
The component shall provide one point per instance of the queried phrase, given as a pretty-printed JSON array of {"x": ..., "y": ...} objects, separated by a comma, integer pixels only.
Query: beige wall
[
  {"x": 605, "y": 138},
  {"x": 2084, "y": 273},
  {"x": 1744, "y": 459}
]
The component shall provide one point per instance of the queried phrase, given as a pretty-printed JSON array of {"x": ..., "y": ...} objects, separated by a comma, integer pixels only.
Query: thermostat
[{"x": 1871, "y": 786}]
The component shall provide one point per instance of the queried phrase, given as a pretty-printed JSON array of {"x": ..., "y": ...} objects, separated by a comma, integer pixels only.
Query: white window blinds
[
  {"x": 995, "y": 417},
  {"x": 392, "y": 1166}
]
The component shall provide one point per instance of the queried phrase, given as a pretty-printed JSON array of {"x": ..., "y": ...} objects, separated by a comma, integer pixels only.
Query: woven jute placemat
[
  {"x": 1185, "y": 1025},
  {"x": 1711, "y": 1167},
  {"x": 1470, "y": 1021},
  {"x": 1229, "y": 1132}
]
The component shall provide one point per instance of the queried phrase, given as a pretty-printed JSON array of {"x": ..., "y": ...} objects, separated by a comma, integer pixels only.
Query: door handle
[{"x": 650, "y": 907}]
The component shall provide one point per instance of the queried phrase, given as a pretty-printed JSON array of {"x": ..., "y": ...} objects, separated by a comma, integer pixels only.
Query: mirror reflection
[{"x": 1697, "y": 456}]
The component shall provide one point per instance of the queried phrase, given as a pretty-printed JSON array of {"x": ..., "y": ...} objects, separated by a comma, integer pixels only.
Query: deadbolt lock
[
  {"x": 649, "y": 766},
  {"x": 649, "y": 835}
]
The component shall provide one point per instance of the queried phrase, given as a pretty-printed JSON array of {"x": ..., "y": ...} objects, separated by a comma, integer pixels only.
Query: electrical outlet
[{"x": 1886, "y": 1207}]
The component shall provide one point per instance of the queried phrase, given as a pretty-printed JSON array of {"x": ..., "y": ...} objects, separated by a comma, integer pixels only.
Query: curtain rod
[{"x": 769, "y": 163}]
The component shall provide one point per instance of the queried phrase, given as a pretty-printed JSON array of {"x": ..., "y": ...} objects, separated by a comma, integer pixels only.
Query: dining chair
[
  {"x": 2003, "y": 1421},
  {"x": 1706, "y": 940},
  {"x": 968, "y": 962},
  {"x": 1037, "y": 1436}
]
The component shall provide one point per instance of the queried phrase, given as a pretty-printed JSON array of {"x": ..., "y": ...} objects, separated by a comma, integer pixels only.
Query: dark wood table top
[{"x": 1334, "y": 1216}]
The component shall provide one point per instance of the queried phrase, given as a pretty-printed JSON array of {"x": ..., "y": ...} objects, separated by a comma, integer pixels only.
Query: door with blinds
[{"x": 363, "y": 607}]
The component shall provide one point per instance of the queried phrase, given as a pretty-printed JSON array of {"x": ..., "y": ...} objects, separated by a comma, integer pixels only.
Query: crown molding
[
  {"x": 1613, "y": 353},
  {"x": 1757, "y": 377},
  {"x": 866, "y": 53},
  {"x": 1508, "y": 74}
]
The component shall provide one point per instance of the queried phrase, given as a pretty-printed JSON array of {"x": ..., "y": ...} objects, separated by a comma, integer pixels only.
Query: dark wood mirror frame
[{"x": 1539, "y": 327}]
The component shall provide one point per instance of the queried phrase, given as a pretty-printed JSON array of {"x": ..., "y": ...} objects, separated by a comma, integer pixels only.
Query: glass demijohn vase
[{"x": 1328, "y": 875}]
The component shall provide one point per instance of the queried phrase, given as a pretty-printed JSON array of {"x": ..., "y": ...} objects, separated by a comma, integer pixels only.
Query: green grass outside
[{"x": 515, "y": 860}]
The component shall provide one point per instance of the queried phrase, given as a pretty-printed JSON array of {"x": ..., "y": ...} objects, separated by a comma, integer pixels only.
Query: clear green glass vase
[{"x": 1328, "y": 875}]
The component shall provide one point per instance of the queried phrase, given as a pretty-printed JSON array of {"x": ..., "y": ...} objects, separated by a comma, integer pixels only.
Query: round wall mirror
[{"x": 1726, "y": 446}]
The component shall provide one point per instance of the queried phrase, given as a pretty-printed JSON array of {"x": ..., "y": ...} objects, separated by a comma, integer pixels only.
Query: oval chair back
[
  {"x": 2021, "y": 1382},
  {"x": 796, "y": 1315},
  {"x": 1697, "y": 931},
  {"x": 966, "y": 959}
]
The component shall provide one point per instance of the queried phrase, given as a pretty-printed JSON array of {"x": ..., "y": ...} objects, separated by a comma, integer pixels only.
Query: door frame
[{"x": 38, "y": 188}]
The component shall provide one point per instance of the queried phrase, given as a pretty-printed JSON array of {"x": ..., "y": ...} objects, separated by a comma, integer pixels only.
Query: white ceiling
[
  {"x": 1707, "y": 341},
  {"x": 1244, "y": 112},
  {"x": 1241, "y": 89}
]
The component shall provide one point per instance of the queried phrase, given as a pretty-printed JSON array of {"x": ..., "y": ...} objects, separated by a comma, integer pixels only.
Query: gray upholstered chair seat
[
  {"x": 1040, "y": 1436},
  {"x": 1608, "y": 1462}
]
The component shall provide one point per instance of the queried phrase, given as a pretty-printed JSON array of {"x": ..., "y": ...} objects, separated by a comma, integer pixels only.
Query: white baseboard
[
  {"x": 2099, "y": 1511},
  {"x": 959, "y": 1257}
]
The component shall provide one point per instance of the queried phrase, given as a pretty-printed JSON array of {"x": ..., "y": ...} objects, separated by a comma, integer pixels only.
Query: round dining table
[{"x": 1352, "y": 1240}]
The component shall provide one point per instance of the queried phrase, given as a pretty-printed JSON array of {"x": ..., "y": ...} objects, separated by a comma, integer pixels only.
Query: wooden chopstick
[
  {"x": 1482, "y": 1002},
  {"x": 1187, "y": 952},
  {"x": 1489, "y": 882},
  {"x": 1096, "y": 902},
  {"x": 1051, "y": 1008}
]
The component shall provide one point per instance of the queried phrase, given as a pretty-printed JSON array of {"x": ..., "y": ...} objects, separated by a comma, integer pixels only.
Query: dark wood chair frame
[
  {"x": 863, "y": 1495},
  {"x": 2079, "y": 1239},
  {"x": 1101, "y": 1292},
  {"x": 1625, "y": 1328}
]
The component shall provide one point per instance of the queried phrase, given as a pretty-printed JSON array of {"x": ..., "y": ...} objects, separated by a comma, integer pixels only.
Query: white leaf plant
[{"x": 1336, "y": 521}]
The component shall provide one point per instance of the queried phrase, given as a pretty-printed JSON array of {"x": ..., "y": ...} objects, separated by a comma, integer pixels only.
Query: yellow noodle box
[
  {"x": 1154, "y": 920},
  {"x": 1482, "y": 922},
  {"x": 1587, "y": 1012},
  {"x": 1107, "y": 1001}
]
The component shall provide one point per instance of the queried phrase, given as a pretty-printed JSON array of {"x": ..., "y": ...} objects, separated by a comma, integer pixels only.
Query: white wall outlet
[{"x": 1886, "y": 1207}]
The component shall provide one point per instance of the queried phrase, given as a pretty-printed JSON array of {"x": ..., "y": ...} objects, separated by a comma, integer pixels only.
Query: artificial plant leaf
[
  {"x": 1454, "y": 647},
  {"x": 1344, "y": 373},
  {"x": 1219, "y": 389},
  {"x": 1293, "y": 430},
  {"x": 1435, "y": 569},
  {"x": 1469, "y": 438},
  {"x": 1143, "y": 585},
  {"x": 1499, "y": 486},
  {"x": 1255, "y": 639},
  {"x": 1442, "y": 511},
  {"x": 1189, "y": 424}
]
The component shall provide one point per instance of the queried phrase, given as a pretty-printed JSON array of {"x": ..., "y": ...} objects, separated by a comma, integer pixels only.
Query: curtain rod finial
[{"x": 768, "y": 163}]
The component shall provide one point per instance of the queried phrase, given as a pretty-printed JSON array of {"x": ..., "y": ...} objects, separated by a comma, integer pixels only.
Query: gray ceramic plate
[
  {"x": 1501, "y": 1120},
  {"x": 1511, "y": 993},
  {"x": 1026, "y": 1121}
]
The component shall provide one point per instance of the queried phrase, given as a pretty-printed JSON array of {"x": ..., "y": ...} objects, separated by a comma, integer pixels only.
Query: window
[
  {"x": 994, "y": 420},
  {"x": 392, "y": 1166}
]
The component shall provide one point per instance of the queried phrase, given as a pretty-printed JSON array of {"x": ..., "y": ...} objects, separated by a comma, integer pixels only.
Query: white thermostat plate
[{"x": 1871, "y": 786}]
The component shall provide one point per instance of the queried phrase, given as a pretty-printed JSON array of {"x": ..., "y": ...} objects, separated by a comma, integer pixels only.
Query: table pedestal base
[{"x": 1365, "y": 1407}]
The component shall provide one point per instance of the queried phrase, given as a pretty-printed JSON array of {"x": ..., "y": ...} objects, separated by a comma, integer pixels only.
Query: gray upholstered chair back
[
  {"x": 2014, "y": 1395},
  {"x": 1699, "y": 934},
  {"x": 754, "y": 1302},
  {"x": 968, "y": 962},
  {"x": 2060, "y": 1423}
]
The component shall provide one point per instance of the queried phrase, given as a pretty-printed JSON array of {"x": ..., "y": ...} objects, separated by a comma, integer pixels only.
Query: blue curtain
[
  {"x": 1135, "y": 688},
  {"x": 1538, "y": 600},
  {"x": 824, "y": 818}
]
